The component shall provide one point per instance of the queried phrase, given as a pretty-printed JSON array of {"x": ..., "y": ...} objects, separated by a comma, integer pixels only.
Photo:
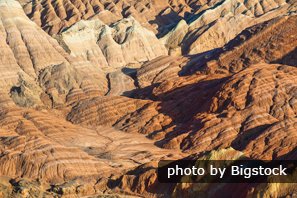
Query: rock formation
[
  {"x": 33, "y": 63},
  {"x": 158, "y": 70},
  {"x": 186, "y": 27},
  {"x": 232, "y": 112},
  {"x": 93, "y": 93},
  {"x": 121, "y": 82},
  {"x": 40, "y": 146},
  {"x": 124, "y": 43},
  {"x": 219, "y": 24},
  {"x": 270, "y": 42},
  {"x": 54, "y": 16},
  {"x": 253, "y": 45}
]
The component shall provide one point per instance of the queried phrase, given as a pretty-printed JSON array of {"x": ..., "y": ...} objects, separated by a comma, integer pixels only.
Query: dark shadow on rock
[
  {"x": 237, "y": 54},
  {"x": 132, "y": 73},
  {"x": 195, "y": 17},
  {"x": 198, "y": 62},
  {"x": 182, "y": 110},
  {"x": 244, "y": 138},
  {"x": 129, "y": 71},
  {"x": 16, "y": 89},
  {"x": 143, "y": 93},
  {"x": 290, "y": 155},
  {"x": 289, "y": 59},
  {"x": 166, "y": 22},
  {"x": 183, "y": 103}
]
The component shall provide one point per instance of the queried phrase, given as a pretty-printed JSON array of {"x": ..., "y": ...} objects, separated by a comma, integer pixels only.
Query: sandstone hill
[
  {"x": 124, "y": 43},
  {"x": 93, "y": 93},
  {"x": 109, "y": 33},
  {"x": 34, "y": 67},
  {"x": 220, "y": 23},
  {"x": 250, "y": 108},
  {"x": 54, "y": 16},
  {"x": 40, "y": 81}
]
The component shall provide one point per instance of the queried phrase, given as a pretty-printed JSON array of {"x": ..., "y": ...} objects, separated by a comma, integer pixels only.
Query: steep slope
[
  {"x": 34, "y": 66},
  {"x": 86, "y": 111},
  {"x": 222, "y": 22},
  {"x": 205, "y": 111},
  {"x": 272, "y": 42}
]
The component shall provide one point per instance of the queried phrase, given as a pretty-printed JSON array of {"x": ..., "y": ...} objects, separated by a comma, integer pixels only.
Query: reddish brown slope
[
  {"x": 271, "y": 42},
  {"x": 201, "y": 112},
  {"x": 238, "y": 101}
]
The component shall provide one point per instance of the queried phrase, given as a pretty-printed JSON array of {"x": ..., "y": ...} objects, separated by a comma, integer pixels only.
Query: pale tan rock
[
  {"x": 125, "y": 42},
  {"x": 81, "y": 40},
  {"x": 29, "y": 52},
  {"x": 120, "y": 83},
  {"x": 175, "y": 37}
]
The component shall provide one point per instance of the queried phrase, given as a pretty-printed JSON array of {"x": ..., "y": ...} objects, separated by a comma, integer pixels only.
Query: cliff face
[{"x": 94, "y": 93}]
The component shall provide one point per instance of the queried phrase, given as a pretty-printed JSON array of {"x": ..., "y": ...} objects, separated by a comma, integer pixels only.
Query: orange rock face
[{"x": 93, "y": 93}]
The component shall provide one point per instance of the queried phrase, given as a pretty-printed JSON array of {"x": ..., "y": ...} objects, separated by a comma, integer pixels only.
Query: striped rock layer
[
  {"x": 71, "y": 126},
  {"x": 205, "y": 111},
  {"x": 35, "y": 68},
  {"x": 54, "y": 16}
]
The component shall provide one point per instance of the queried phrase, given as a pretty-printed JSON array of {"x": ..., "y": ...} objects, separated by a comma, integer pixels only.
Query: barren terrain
[{"x": 93, "y": 93}]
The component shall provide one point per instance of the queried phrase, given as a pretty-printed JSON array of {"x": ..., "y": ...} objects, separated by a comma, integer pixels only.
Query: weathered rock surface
[
  {"x": 54, "y": 16},
  {"x": 203, "y": 112},
  {"x": 144, "y": 180},
  {"x": 158, "y": 70},
  {"x": 186, "y": 27},
  {"x": 104, "y": 111},
  {"x": 247, "y": 105},
  {"x": 91, "y": 110},
  {"x": 272, "y": 42},
  {"x": 38, "y": 145},
  {"x": 34, "y": 66},
  {"x": 123, "y": 43},
  {"x": 222, "y": 22},
  {"x": 121, "y": 82}
]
